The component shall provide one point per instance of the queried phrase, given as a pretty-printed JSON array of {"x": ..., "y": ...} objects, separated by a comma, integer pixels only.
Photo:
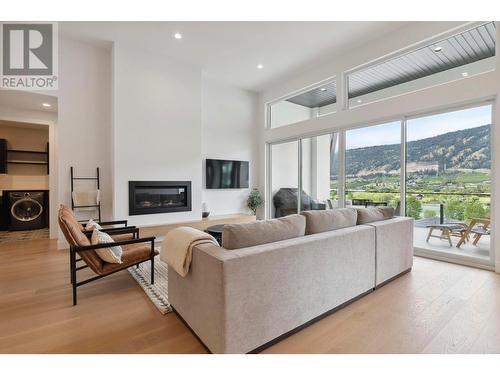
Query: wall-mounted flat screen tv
[{"x": 226, "y": 174}]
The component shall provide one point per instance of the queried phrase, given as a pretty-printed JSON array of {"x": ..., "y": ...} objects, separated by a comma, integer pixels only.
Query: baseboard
[{"x": 392, "y": 278}]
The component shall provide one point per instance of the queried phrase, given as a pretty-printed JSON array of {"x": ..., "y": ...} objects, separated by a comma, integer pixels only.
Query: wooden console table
[{"x": 202, "y": 224}]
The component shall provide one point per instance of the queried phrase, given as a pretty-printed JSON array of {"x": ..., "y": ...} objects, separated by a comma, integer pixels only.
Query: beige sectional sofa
[{"x": 284, "y": 273}]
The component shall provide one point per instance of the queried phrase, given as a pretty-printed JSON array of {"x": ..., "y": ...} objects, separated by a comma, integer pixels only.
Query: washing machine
[{"x": 27, "y": 210}]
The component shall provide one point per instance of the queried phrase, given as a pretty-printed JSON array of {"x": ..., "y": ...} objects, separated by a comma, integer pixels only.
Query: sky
[{"x": 423, "y": 127}]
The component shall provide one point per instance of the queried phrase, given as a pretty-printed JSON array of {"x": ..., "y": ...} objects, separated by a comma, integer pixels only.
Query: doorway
[{"x": 28, "y": 189}]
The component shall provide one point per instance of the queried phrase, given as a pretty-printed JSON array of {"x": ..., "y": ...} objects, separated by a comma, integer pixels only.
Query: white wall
[
  {"x": 139, "y": 117},
  {"x": 229, "y": 124},
  {"x": 84, "y": 117},
  {"x": 157, "y": 128}
]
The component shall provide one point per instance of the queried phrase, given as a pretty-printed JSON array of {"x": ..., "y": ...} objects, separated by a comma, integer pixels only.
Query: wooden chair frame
[
  {"x": 446, "y": 232},
  {"x": 485, "y": 223},
  {"x": 112, "y": 229}
]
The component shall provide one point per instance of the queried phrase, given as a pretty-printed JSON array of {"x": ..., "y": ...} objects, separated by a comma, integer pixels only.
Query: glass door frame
[
  {"x": 429, "y": 253},
  {"x": 269, "y": 165}
]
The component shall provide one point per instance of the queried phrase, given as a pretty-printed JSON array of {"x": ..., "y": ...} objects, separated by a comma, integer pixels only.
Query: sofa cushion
[
  {"x": 371, "y": 214},
  {"x": 388, "y": 212},
  {"x": 71, "y": 228},
  {"x": 72, "y": 231},
  {"x": 132, "y": 254},
  {"x": 238, "y": 236},
  {"x": 325, "y": 220}
]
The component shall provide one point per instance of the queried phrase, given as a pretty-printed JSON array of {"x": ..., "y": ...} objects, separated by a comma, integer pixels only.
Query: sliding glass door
[
  {"x": 448, "y": 182},
  {"x": 433, "y": 168},
  {"x": 319, "y": 172},
  {"x": 284, "y": 178},
  {"x": 317, "y": 176}
]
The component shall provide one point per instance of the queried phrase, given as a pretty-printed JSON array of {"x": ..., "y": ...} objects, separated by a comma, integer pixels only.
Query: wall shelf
[
  {"x": 22, "y": 157},
  {"x": 28, "y": 152},
  {"x": 27, "y": 162}
]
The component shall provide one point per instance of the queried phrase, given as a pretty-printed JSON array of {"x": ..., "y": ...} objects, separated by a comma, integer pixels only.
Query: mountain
[{"x": 462, "y": 149}]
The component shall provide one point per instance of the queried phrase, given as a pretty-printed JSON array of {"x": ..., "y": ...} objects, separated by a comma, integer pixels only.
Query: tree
[
  {"x": 454, "y": 208},
  {"x": 429, "y": 213},
  {"x": 474, "y": 209},
  {"x": 413, "y": 207}
]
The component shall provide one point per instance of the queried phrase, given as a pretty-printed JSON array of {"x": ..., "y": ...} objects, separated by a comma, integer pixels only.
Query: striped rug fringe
[{"x": 158, "y": 292}]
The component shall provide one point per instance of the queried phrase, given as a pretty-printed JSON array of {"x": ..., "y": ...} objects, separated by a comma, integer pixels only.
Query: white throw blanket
[{"x": 177, "y": 247}]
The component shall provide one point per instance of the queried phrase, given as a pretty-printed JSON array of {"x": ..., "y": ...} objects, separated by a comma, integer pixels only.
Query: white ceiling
[
  {"x": 27, "y": 100},
  {"x": 230, "y": 51}
]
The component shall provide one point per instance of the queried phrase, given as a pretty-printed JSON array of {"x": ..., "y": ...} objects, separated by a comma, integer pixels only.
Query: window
[
  {"x": 316, "y": 102},
  {"x": 459, "y": 56},
  {"x": 284, "y": 178},
  {"x": 373, "y": 166},
  {"x": 319, "y": 171}
]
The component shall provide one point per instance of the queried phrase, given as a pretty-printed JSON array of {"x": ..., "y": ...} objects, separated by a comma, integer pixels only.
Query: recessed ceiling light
[
  {"x": 260, "y": 66},
  {"x": 46, "y": 105},
  {"x": 359, "y": 101},
  {"x": 465, "y": 74},
  {"x": 438, "y": 49},
  {"x": 178, "y": 36},
  {"x": 323, "y": 89}
]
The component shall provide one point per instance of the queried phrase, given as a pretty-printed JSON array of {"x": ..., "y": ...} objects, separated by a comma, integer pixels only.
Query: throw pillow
[
  {"x": 91, "y": 225},
  {"x": 319, "y": 221},
  {"x": 371, "y": 214},
  {"x": 253, "y": 233},
  {"x": 107, "y": 254},
  {"x": 388, "y": 212}
]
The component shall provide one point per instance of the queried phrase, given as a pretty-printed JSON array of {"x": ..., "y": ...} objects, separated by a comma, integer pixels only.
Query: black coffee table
[{"x": 216, "y": 232}]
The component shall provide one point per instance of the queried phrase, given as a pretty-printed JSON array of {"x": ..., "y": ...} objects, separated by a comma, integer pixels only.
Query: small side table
[{"x": 216, "y": 232}]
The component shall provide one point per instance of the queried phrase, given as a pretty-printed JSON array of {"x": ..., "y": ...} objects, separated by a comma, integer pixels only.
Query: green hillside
[{"x": 463, "y": 149}]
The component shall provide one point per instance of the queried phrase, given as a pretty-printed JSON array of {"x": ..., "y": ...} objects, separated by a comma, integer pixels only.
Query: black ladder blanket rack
[{"x": 97, "y": 180}]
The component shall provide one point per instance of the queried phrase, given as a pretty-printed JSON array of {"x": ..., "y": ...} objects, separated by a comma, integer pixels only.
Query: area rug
[
  {"x": 24, "y": 235},
  {"x": 158, "y": 292}
]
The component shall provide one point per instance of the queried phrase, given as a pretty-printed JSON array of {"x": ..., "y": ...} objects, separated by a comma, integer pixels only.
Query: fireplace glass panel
[{"x": 160, "y": 197}]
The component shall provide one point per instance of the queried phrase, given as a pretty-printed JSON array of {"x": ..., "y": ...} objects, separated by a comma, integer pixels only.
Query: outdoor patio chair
[
  {"x": 447, "y": 231},
  {"x": 477, "y": 228}
]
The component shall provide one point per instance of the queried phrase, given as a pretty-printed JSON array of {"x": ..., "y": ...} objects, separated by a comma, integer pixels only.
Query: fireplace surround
[{"x": 155, "y": 197}]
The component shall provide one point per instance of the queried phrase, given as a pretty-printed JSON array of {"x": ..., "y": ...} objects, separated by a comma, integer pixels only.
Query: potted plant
[{"x": 255, "y": 201}]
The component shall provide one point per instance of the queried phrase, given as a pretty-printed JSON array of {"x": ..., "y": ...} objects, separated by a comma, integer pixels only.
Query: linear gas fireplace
[{"x": 154, "y": 197}]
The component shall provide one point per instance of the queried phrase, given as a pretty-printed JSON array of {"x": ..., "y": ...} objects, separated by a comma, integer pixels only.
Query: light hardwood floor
[{"x": 437, "y": 308}]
